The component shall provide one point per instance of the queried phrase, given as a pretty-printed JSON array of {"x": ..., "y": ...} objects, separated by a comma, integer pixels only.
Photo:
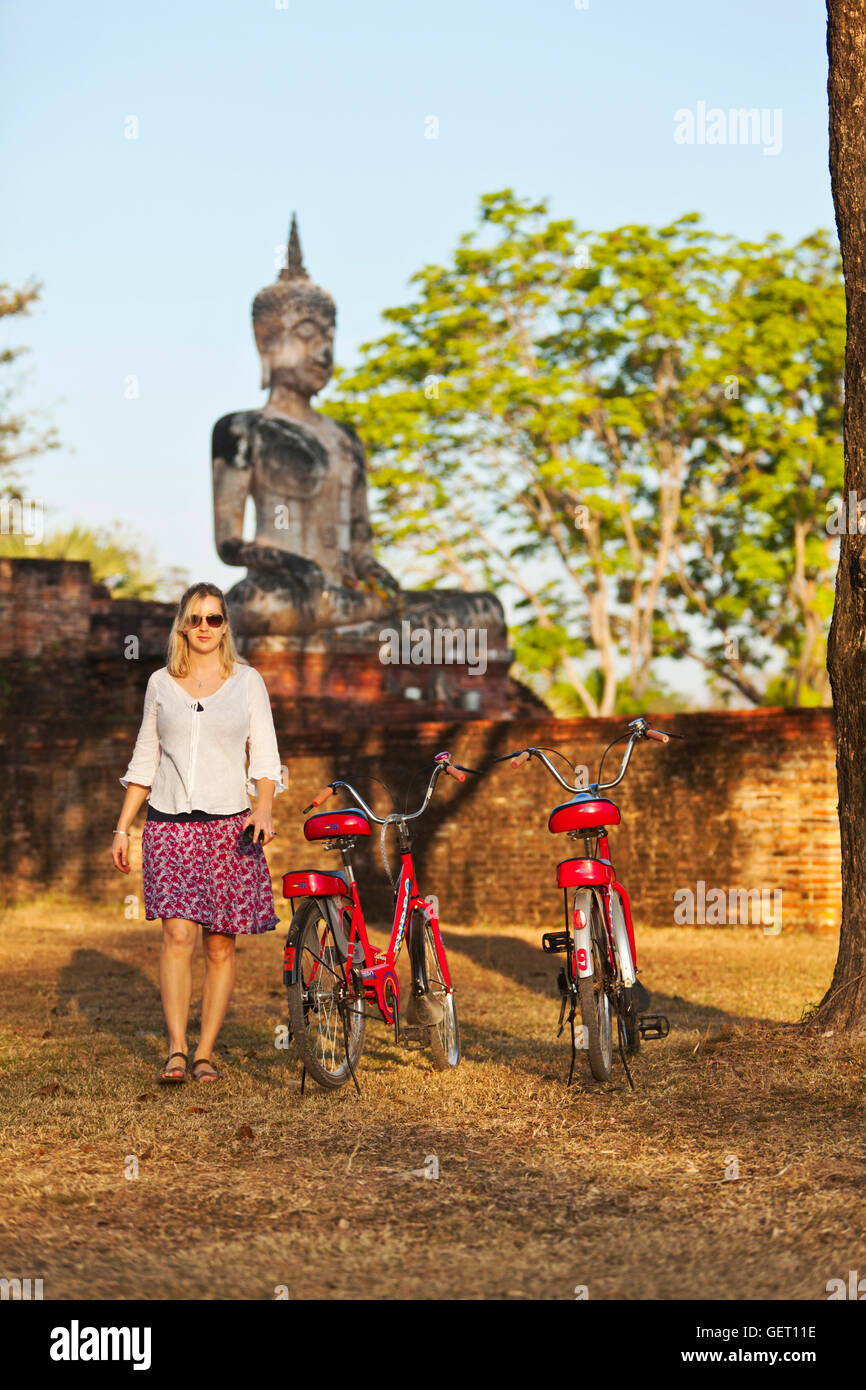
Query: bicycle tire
[
  {"x": 443, "y": 1038},
  {"x": 593, "y": 992},
  {"x": 315, "y": 1013}
]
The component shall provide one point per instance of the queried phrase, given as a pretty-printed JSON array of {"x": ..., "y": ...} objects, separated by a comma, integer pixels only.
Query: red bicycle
[
  {"x": 332, "y": 973},
  {"x": 600, "y": 971}
]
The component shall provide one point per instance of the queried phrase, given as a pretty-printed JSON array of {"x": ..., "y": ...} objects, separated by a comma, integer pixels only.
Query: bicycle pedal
[
  {"x": 553, "y": 942},
  {"x": 653, "y": 1026}
]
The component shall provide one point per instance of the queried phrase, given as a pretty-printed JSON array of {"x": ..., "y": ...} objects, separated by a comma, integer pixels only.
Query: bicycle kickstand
[
  {"x": 303, "y": 1078},
  {"x": 343, "y": 1010},
  {"x": 619, "y": 1033},
  {"x": 573, "y": 1048}
]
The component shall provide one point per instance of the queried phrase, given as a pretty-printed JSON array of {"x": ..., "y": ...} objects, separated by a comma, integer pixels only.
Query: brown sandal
[
  {"x": 204, "y": 1062},
  {"x": 164, "y": 1078}
]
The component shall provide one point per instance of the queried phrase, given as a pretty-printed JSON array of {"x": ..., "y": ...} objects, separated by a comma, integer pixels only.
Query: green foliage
[
  {"x": 633, "y": 435},
  {"x": 116, "y": 560},
  {"x": 18, "y": 438}
]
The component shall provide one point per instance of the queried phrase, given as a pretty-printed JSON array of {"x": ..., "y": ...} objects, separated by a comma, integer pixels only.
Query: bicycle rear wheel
[
  {"x": 443, "y": 1038},
  {"x": 594, "y": 995},
  {"x": 327, "y": 1020}
]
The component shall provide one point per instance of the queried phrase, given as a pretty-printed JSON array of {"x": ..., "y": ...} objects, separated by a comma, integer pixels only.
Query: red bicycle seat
[
  {"x": 329, "y": 824},
  {"x": 583, "y": 815},
  {"x": 317, "y": 881}
]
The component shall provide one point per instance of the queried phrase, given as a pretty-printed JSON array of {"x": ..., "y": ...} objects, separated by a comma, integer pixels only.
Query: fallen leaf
[
  {"x": 145, "y": 1153},
  {"x": 245, "y": 1132},
  {"x": 147, "y": 1095},
  {"x": 196, "y": 1110},
  {"x": 49, "y": 1090}
]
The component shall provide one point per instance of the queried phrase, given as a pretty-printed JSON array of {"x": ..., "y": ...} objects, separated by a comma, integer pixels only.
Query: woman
[{"x": 200, "y": 709}]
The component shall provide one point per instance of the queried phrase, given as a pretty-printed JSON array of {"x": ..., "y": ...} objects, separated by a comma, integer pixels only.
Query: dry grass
[{"x": 540, "y": 1189}]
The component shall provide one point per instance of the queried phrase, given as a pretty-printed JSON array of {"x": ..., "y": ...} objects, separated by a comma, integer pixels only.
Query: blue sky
[{"x": 150, "y": 250}]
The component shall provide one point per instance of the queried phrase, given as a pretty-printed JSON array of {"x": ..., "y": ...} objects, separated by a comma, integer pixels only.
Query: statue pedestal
[{"x": 330, "y": 681}]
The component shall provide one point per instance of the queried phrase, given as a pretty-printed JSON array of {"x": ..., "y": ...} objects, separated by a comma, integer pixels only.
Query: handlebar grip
[
  {"x": 520, "y": 759},
  {"x": 318, "y": 799},
  {"x": 453, "y": 772},
  {"x": 658, "y": 736}
]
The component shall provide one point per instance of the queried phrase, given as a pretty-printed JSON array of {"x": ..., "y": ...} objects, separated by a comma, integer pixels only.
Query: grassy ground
[{"x": 245, "y": 1186}]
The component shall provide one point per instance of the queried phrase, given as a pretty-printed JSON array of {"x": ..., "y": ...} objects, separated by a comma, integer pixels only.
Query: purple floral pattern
[{"x": 205, "y": 872}]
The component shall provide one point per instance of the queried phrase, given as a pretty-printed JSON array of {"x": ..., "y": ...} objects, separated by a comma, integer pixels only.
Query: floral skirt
[{"x": 205, "y": 872}]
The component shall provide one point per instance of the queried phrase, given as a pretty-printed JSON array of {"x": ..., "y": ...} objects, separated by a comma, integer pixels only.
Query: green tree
[
  {"x": 756, "y": 552},
  {"x": 18, "y": 438},
  {"x": 549, "y": 417},
  {"x": 117, "y": 559}
]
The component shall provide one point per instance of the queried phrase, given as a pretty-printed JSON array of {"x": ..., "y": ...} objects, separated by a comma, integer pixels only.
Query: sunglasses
[{"x": 212, "y": 620}]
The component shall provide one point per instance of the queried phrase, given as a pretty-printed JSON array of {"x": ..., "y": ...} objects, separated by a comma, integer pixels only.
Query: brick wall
[{"x": 746, "y": 801}]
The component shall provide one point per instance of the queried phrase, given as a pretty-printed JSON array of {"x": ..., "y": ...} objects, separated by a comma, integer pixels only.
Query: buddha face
[{"x": 298, "y": 352}]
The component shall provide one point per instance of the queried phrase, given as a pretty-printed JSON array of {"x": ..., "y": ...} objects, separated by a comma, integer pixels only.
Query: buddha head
[{"x": 293, "y": 323}]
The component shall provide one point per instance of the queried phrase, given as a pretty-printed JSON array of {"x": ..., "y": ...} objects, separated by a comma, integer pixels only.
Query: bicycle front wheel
[
  {"x": 442, "y": 1038},
  {"x": 594, "y": 995},
  {"x": 327, "y": 1020}
]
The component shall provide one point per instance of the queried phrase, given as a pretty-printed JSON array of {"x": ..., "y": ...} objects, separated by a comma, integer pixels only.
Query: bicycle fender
[
  {"x": 621, "y": 946},
  {"x": 335, "y": 912},
  {"x": 291, "y": 961},
  {"x": 582, "y": 939}
]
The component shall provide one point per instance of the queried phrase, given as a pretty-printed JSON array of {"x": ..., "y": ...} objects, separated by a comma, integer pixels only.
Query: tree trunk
[{"x": 844, "y": 1005}]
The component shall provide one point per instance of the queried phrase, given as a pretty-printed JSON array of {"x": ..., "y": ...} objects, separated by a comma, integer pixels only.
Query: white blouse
[{"x": 195, "y": 759}]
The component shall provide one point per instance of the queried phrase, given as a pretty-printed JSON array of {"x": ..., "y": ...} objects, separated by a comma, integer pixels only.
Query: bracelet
[{"x": 121, "y": 832}]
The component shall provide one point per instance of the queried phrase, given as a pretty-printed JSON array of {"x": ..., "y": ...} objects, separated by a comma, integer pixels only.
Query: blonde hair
[{"x": 177, "y": 649}]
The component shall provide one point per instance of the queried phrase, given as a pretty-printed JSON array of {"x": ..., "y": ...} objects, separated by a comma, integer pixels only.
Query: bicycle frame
[
  {"x": 339, "y": 899},
  {"x": 594, "y": 882}
]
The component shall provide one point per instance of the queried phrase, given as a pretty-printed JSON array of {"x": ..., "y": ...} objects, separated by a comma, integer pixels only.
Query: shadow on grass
[
  {"x": 121, "y": 1000},
  {"x": 528, "y": 966}
]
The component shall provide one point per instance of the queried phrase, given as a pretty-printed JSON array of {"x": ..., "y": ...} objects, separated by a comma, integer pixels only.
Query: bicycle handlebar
[
  {"x": 319, "y": 798},
  {"x": 443, "y": 764},
  {"x": 641, "y": 730}
]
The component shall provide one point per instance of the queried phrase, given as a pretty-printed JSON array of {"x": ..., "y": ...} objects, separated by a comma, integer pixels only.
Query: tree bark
[{"x": 844, "y": 1005}]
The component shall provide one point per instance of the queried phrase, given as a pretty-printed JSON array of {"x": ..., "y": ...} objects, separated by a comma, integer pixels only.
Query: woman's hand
[
  {"x": 262, "y": 819},
  {"x": 120, "y": 852}
]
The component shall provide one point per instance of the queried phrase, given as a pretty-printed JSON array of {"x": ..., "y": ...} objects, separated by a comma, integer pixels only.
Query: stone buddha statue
[{"x": 311, "y": 568}]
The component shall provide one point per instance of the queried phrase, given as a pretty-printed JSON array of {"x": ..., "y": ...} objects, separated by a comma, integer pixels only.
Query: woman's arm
[
  {"x": 132, "y": 802},
  {"x": 266, "y": 777},
  {"x": 139, "y": 776},
  {"x": 263, "y": 815}
]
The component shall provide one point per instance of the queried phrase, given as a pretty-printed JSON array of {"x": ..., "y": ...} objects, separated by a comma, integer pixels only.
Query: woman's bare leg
[
  {"x": 175, "y": 979},
  {"x": 219, "y": 982}
]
